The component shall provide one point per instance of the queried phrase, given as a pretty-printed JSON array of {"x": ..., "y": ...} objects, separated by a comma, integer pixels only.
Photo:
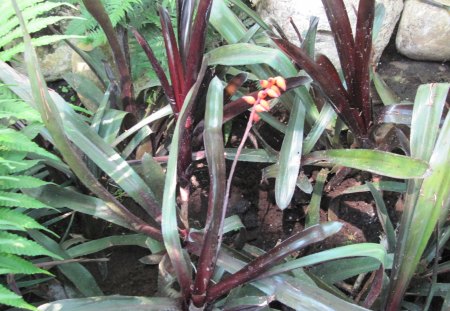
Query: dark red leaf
[
  {"x": 157, "y": 68},
  {"x": 264, "y": 262},
  {"x": 97, "y": 10},
  {"x": 375, "y": 288},
  {"x": 173, "y": 59},
  {"x": 342, "y": 33},
  {"x": 184, "y": 27},
  {"x": 363, "y": 52},
  {"x": 197, "y": 42},
  {"x": 297, "y": 32}
]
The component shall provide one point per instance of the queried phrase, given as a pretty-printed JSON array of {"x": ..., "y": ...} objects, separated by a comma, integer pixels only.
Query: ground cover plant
[{"x": 118, "y": 159}]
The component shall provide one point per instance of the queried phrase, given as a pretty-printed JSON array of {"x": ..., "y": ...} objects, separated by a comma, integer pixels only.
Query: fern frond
[
  {"x": 8, "y": 23},
  {"x": 13, "y": 110},
  {"x": 16, "y": 220},
  {"x": 20, "y": 182},
  {"x": 11, "y": 166},
  {"x": 17, "y": 245},
  {"x": 11, "y": 140},
  {"x": 10, "y": 298},
  {"x": 15, "y": 265},
  {"x": 40, "y": 41},
  {"x": 11, "y": 199},
  {"x": 118, "y": 9},
  {"x": 32, "y": 11}
]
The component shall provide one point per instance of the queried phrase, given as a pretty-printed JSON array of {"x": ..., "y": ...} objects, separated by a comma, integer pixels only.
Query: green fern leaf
[
  {"x": 15, "y": 244},
  {"x": 10, "y": 298},
  {"x": 8, "y": 166},
  {"x": 20, "y": 182},
  {"x": 11, "y": 199},
  {"x": 31, "y": 12},
  {"x": 17, "y": 220},
  {"x": 13, "y": 110},
  {"x": 8, "y": 54},
  {"x": 11, "y": 140},
  {"x": 16, "y": 265}
]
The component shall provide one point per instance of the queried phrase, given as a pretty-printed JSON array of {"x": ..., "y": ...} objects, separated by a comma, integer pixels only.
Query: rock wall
[{"x": 424, "y": 31}]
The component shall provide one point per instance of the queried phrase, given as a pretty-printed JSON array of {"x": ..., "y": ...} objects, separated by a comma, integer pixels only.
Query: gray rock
[
  {"x": 54, "y": 60},
  {"x": 301, "y": 11},
  {"x": 424, "y": 32}
]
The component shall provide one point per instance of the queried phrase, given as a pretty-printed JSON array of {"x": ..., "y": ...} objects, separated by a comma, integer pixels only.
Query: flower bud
[
  {"x": 262, "y": 94},
  {"x": 265, "y": 104},
  {"x": 273, "y": 92},
  {"x": 265, "y": 84},
  {"x": 249, "y": 99},
  {"x": 280, "y": 82}
]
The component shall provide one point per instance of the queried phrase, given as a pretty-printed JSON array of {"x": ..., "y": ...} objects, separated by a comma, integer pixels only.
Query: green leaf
[
  {"x": 75, "y": 272},
  {"x": 20, "y": 182},
  {"x": 250, "y": 54},
  {"x": 383, "y": 216},
  {"x": 11, "y": 199},
  {"x": 91, "y": 95},
  {"x": 154, "y": 175},
  {"x": 338, "y": 270},
  {"x": 169, "y": 226},
  {"x": 8, "y": 166},
  {"x": 374, "y": 161},
  {"x": 15, "y": 244},
  {"x": 290, "y": 155},
  {"x": 59, "y": 197},
  {"x": 383, "y": 185},
  {"x": 113, "y": 303},
  {"x": 16, "y": 265},
  {"x": 10, "y": 298},
  {"x": 110, "y": 124},
  {"x": 372, "y": 250},
  {"x": 250, "y": 155},
  {"x": 11, "y": 140},
  {"x": 426, "y": 200},
  {"x": 313, "y": 211},
  {"x": 94, "y": 246},
  {"x": 17, "y": 220},
  {"x": 326, "y": 115}
]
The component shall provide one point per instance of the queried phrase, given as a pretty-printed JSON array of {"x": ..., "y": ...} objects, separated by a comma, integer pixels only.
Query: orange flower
[
  {"x": 249, "y": 99},
  {"x": 280, "y": 82}
]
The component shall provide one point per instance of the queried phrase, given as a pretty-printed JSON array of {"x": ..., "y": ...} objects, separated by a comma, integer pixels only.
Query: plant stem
[{"x": 238, "y": 152}]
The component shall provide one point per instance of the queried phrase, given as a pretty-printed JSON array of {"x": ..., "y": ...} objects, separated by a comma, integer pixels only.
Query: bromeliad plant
[
  {"x": 351, "y": 102},
  {"x": 250, "y": 278}
]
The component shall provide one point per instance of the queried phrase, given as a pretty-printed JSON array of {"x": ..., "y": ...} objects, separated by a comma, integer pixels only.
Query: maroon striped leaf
[
  {"x": 343, "y": 37},
  {"x": 185, "y": 16},
  {"x": 271, "y": 258},
  {"x": 363, "y": 52},
  {"x": 157, "y": 68},
  {"x": 97, "y": 10},
  {"x": 173, "y": 59},
  {"x": 197, "y": 41}
]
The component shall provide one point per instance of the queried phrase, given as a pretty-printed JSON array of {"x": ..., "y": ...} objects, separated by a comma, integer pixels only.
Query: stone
[
  {"x": 424, "y": 32},
  {"x": 54, "y": 60},
  {"x": 282, "y": 10}
]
